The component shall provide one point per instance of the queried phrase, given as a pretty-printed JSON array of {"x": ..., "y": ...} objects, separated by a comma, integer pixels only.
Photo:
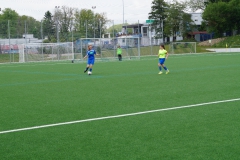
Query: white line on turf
[{"x": 117, "y": 116}]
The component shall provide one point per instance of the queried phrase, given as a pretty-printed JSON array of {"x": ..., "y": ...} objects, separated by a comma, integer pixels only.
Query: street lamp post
[
  {"x": 94, "y": 7},
  {"x": 113, "y": 39},
  {"x": 86, "y": 23},
  {"x": 100, "y": 29},
  {"x": 57, "y": 25},
  {"x": 123, "y": 11},
  {"x": 126, "y": 40}
]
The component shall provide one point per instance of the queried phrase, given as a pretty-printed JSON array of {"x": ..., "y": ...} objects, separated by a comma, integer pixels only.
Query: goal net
[
  {"x": 107, "y": 47},
  {"x": 33, "y": 52},
  {"x": 182, "y": 47}
]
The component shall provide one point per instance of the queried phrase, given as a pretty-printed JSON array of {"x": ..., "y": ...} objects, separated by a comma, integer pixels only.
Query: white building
[
  {"x": 197, "y": 18},
  {"x": 26, "y": 38},
  {"x": 145, "y": 32},
  {"x": 147, "y": 35}
]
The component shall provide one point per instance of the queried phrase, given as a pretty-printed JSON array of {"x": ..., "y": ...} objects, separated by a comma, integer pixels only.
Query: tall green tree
[
  {"x": 100, "y": 23},
  {"x": 158, "y": 14},
  {"x": 83, "y": 18},
  {"x": 63, "y": 18},
  {"x": 234, "y": 6},
  {"x": 219, "y": 17},
  {"x": 29, "y": 25},
  {"x": 86, "y": 21},
  {"x": 178, "y": 23},
  {"x": 49, "y": 27},
  {"x": 8, "y": 23}
]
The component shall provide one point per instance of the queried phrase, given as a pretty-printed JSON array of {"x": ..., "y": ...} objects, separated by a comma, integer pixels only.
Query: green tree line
[
  {"x": 170, "y": 19},
  {"x": 15, "y": 26},
  {"x": 222, "y": 16},
  {"x": 219, "y": 15},
  {"x": 63, "y": 24},
  {"x": 173, "y": 19}
]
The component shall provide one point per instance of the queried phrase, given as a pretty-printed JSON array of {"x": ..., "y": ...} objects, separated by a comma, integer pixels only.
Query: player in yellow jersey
[
  {"x": 119, "y": 53},
  {"x": 162, "y": 55}
]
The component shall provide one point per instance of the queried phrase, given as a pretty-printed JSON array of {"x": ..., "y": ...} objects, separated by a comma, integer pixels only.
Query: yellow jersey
[{"x": 162, "y": 53}]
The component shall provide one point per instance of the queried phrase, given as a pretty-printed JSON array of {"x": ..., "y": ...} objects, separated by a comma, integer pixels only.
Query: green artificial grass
[
  {"x": 7, "y": 58},
  {"x": 230, "y": 42},
  {"x": 36, "y": 94}
]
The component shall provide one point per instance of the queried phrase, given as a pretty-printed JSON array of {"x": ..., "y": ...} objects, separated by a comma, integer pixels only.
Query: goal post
[
  {"x": 182, "y": 47},
  {"x": 36, "y": 52}
]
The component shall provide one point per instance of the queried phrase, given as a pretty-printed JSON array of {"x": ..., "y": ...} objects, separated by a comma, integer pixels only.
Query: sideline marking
[{"x": 117, "y": 116}]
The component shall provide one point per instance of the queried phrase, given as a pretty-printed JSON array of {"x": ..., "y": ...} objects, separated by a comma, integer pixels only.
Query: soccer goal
[
  {"x": 107, "y": 47},
  {"x": 182, "y": 47},
  {"x": 35, "y": 52}
]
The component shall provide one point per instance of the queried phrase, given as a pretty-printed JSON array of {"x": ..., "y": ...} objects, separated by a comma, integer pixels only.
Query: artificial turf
[{"x": 36, "y": 94}]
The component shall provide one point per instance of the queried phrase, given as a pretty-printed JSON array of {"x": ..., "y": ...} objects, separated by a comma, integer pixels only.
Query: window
[{"x": 145, "y": 30}]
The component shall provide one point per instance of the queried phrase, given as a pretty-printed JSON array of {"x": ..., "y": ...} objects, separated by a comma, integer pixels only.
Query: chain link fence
[{"x": 30, "y": 31}]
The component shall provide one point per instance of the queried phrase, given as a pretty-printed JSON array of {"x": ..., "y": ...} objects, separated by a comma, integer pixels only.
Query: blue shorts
[
  {"x": 161, "y": 60},
  {"x": 90, "y": 61}
]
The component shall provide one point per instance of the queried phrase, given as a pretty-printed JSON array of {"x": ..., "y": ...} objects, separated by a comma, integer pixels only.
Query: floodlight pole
[
  {"x": 123, "y": 11},
  {"x": 126, "y": 38},
  {"x": 86, "y": 28},
  {"x": 113, "y": 37},
  {"x": 57, "y": 23},
  {"x": 94, "y": 7},
  {"x": 100, "y": 36},
  {"x": 9, "y": 43}
]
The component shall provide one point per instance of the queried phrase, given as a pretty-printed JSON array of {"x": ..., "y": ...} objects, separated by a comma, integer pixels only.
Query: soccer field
[{"x": 125, "y": 110}]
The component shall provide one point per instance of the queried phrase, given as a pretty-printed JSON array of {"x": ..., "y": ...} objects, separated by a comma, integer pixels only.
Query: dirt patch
[{"x": 211, "y": 42}]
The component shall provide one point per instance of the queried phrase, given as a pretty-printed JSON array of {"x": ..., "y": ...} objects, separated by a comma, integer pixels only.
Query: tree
[
  {"x": 8, "y": 16},
  {"x": 94, "y": 23},
  {"x": 234, "y": 6},
  {"x": 219, "y": 17},
  {"x": 115, "y": 29},
  {"x": 101, "y": 21},
  {"x": 177, "y": 22},
  {"x": 49, "y": 27},
  {"x": 83, "y": 21},
  {"x": 63, "y": 18},
  {"x": 195, "y": 5},
  {"x": 158, "y": 14},
  {"x": 28, "y": 25},
  {"x": 18, "y": 25}
]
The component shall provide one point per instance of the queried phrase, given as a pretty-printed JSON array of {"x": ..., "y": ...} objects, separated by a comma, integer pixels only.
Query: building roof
[{"x": 132, "y": 26}]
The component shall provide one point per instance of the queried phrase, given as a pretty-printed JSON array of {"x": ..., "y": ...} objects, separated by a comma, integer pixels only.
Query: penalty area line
[{"x": 117, "y": 116}]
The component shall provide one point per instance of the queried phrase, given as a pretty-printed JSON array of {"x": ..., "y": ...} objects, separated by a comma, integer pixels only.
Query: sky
[{"x": 134, "y": 10}]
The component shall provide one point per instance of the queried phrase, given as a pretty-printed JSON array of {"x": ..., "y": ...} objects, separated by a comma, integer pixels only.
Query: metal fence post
[{"x": 9, "y": 43}]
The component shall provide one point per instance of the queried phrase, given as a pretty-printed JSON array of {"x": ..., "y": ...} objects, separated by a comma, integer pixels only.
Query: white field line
[{"x": 117, "y": 116}]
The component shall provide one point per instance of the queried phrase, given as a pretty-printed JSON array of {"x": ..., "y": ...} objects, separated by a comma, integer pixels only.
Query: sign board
[{"x": 149, "y": 21}]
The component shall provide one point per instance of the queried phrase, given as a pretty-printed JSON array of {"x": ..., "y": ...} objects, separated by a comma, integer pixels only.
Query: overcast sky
[{"x": 134, "y": 10}]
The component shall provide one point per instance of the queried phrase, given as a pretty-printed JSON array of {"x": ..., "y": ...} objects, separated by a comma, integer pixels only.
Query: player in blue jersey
[{"x": 91, "y": 59}]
